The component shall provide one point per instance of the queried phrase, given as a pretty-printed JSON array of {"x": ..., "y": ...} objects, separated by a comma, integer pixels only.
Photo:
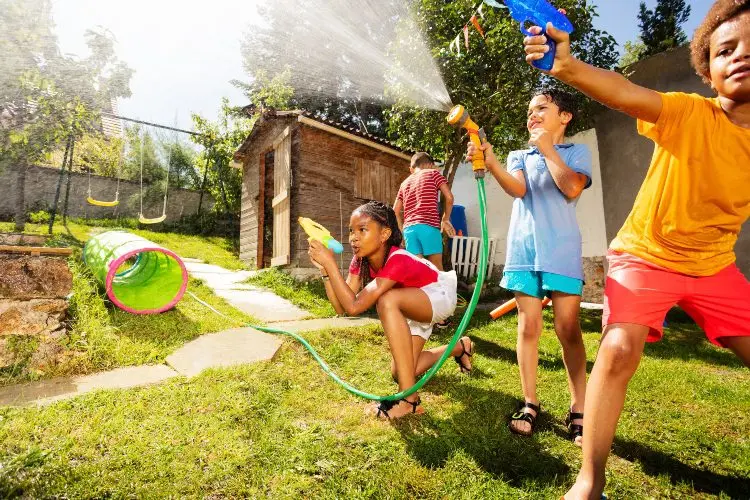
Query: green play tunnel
[{"x": 139, "y": 276}]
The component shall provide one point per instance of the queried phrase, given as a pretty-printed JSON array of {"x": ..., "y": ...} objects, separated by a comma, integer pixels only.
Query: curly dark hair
[
  {"x": 386, "y": 217},
  {"x": 721, "y": 11},
  {"x": 564, "y": 100}
]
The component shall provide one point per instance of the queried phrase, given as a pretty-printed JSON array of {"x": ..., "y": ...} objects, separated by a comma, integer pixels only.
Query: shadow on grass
[
  {"x": 656, "y": 463},
  {"x": 687, "y": 342},
  {"x": 482, "y": 433}
]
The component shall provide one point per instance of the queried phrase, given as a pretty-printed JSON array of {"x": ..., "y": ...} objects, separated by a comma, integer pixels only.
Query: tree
[
  {"x": 142, "y": 157},
  {"x": 100, "y": 155},
  {"x": 633, "y": 53},
  {"x": 491, "y": 79},
  {"x": 330, "y": 51},
  {"x": 46, "y": 96},
  {"x": 661, "y": 29},
  {"x": 182, "y": 166},
  {"x": 220, "y": 139}
]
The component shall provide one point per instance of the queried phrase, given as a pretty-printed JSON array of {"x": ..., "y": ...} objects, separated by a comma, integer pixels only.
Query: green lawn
[
  {"x": 212, "y": 249},
  {"x": 282, "y": 429},
  {"x": 103, "y": 337}
]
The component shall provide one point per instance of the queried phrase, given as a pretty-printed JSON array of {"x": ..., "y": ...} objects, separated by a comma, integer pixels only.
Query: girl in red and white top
[{"x": 410, "y": 294}]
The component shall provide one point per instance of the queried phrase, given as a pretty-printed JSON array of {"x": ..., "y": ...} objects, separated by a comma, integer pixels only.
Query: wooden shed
[{"x": 297, "y": 165}]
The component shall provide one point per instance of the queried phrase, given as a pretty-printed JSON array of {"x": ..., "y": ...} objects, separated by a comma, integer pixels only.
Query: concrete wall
[
  {"x": 626, "y": 156},
  {"x": 41, "y": 184}
]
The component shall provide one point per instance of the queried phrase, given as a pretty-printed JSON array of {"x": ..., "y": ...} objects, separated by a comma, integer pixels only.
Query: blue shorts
[
  {"x": 423, "y": 239},
  {"x": 538, "y": 284}
]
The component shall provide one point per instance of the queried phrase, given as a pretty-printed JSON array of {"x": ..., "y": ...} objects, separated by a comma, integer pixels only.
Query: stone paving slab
[
  {"x": 228, "y": 348},
  {"x": 49, "y": 391},
  {"x": 312, "y": 325},
  {"x": 217, "y": 277},
  {"x": 262, "y": 304},
  {"x": 252, "y": 300}
]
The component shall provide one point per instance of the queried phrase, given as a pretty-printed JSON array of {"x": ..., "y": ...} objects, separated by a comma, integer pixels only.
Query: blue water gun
[{"x": 538, "y": 12}]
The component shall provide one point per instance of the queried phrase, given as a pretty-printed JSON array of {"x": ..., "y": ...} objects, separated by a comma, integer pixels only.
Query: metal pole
[{"x": 151, "y": 124}]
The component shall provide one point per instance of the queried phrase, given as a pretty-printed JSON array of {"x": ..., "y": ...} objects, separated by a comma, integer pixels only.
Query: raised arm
[
  {"x": 514, "y": 184},
  {"x": 608, "y": 87}
]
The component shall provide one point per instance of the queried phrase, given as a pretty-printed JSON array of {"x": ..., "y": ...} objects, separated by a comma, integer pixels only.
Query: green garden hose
[{"x": 483, "y": 256}]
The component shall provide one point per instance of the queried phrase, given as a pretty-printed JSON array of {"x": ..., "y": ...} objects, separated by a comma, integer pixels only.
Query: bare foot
[
  {"x": 523, "y": 427},
  {"x": 384, "y": 411},
  {"x": 585, "y": 491}
]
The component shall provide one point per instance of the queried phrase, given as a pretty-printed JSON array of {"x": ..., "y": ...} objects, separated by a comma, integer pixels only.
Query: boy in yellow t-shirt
[{"x": 677, "y": 244}]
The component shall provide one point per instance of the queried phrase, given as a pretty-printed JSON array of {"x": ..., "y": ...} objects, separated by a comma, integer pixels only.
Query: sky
[{"x": 186, "y": 52}]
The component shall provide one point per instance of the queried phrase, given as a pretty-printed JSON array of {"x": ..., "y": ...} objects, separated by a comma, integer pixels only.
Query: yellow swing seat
[
  {"x": 92, "y": 201},
  {"x": 155, "y": 220}
]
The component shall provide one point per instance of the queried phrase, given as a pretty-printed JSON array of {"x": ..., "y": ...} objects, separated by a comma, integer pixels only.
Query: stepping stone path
[
  {"x": 228, "y": 348},
  {"x": 49, "y": 391},
  {"x": 257, "y": 302}
]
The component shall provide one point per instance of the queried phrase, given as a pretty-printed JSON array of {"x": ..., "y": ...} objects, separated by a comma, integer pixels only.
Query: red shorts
[{"x": 641, "y": 293}]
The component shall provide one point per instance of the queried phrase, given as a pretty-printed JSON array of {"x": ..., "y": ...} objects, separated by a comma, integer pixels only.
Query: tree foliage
[
  {"x": 282, "y": 45},
  {"x": 491, "y": 79},
  {"x": 633, "y": 53},
  {"x": 44, "y": 95},
  {"x": 220, "y": 139},
  {"x": 661, "y": 28}
]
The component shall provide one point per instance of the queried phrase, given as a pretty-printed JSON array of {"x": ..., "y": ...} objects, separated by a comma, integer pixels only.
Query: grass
[
  {"x": 283, "y": 430},
  {"x": 212, "y": 249},
  {"x": 309, "y": 295},
  {"x": 103, "y": 337}
]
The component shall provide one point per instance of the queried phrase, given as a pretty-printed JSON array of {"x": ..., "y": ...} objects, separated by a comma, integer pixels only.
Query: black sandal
[
  {"x": 385, "y": 406},
  {"x": 526, "y": 417},
  {"x": 470, "y": 353},
  {"x": 575, "y": 430}
]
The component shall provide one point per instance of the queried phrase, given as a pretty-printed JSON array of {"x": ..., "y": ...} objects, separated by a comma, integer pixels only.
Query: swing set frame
[{"x": 68, "y": 162}]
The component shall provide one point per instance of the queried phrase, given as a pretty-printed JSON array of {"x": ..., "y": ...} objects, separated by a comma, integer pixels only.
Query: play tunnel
[{"x": 140, "y": 276}]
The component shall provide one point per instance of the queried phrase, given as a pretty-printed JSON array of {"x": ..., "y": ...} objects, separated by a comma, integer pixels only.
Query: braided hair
[{"x": 386, "y": 217}]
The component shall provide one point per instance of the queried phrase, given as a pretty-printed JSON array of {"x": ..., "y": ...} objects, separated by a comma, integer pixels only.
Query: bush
[{"x": 38, "y": 217}]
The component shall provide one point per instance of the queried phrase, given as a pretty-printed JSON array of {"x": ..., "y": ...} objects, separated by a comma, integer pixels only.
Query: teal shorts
[
  {"x": 423, "y": 239},
  {"x": 540, "y": 284}
]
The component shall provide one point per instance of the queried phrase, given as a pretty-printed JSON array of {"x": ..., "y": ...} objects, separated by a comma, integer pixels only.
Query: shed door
[{"x": 282, "y": 188}]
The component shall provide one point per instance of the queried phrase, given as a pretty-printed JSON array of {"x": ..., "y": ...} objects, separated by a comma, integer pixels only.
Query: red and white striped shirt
[{"x": 419, "y": 195}]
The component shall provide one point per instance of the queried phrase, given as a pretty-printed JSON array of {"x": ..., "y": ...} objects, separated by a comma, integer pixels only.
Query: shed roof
[{"x": 310, "y": 119}]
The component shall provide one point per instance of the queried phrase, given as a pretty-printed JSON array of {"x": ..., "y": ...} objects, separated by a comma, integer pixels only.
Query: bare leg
[
  {"x": 618, "y": 358},
  {"x": 527, "y": 351},
  {"x": 394, "y": 306},
  {"x": 568, "y": 329},
  {"x": 437, "y": 260},
  {"x": 424, "y": 360},
  {"x": 740, "y": 346}
]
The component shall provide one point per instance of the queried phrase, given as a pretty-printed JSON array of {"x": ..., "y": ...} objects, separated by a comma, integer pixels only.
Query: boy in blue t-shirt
[{"x": 543, "y": 256}]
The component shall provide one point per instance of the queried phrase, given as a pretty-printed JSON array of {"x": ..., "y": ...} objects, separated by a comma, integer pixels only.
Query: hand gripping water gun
[
  {"x": 539, "y": 12},
  {"x": 459, "y": 117},
  {"x": 317, "y": 232}
]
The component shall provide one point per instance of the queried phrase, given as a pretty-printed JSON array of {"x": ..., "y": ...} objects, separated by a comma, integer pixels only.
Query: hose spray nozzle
[{"x": 459, "y": 118}]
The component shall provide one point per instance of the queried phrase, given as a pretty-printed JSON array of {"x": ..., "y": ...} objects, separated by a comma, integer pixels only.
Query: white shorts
[{"x": 442, "y": 295}]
